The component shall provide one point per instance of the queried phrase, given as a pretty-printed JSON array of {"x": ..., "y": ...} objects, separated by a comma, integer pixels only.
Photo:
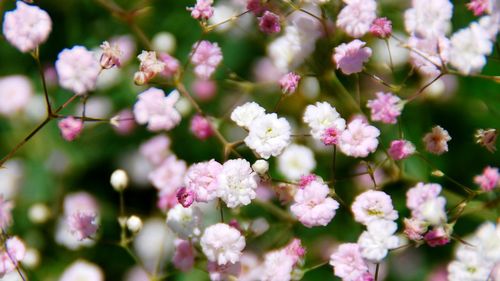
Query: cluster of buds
[{"x": 150, "y": 66}]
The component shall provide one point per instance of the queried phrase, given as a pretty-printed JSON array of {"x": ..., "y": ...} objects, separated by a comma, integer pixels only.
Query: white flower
[
  {"x": 15, "y": 93},
  {"x": 245, "y": 114},
  {"x": 469, "y": 265},
  {"x": 378, "y": 240},
  {"x": 268, "y": 135},
  {"x": 237, "y": 183},
  {"x": 82, "y": 270},
  {"x": 222, "y": 243},
  {"x": 488, "y": 236},
  {"x": 355, "y": 18},
  {"x": 433, "y": 210},
  {"x": 322, "y": 116},
  {"x": 277, "y": 266},
  {"x": 429, "y": 18},
  {"x": 77, "y": 69},
  {"x": 296, "y": 161},
  {"x": 469, "y": 48},
  {"x": 185, "y": 222}
]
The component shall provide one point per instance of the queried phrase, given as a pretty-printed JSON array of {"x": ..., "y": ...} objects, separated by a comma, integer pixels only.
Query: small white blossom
[
  {"x": 376, "y": 242},
  {"x": 237, "y": 183},
  {"x": 245, "y": 114},
  {"x": 268, "y": 135},
  {"x": 222, "y": 243},
  {"x": 296, "y": 161},
  {"x": 185, "y": 221}
]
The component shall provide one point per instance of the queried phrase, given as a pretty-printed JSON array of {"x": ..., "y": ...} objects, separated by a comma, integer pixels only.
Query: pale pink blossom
[
  {"x": 184, "y": 255},
  {"x": 280, "y": 264},
  {"x": 419, "y": 194},
  {"x": 149, "y": 67},
  {"x": 15, "y": 93},
  {"x": 201, "y": 127},
  {"x": 125, "y": 122},
  {"x": 415, "y": 229},
  {"x": 350, "y": 57},
  {"x": 224, "y": 272},
  {"x": 436, "y": 141},
  {"x": 171, "y": 65},
  {"x": 373, "y": 205},
  {"x": 206, "y": 56},
  {"x": 489, "y": 179},
  {"x": 82, "y": 224},
  {"x": 169, "y": 175},
  {"x": 167, "y": 199},
  {"x": 385, "y": 108},
  {"x": 11, "y": 255},
  {"x": 26, "y": 27},
  {"x": 295, "y": 250},
  {"x": 70, "y": 128},
  {"x": 80, "y": 201},
  {"x": 381, "y": 28},
  {"x": 185, "y": 197},
  {"x": 428, "y": 54},
  {"x": 348, "y": 263},
  {"x": 359, "y": 139},
  {"x": 77, "y": 69},
  {"x": 205, "y": 90},
  {"x": 156, "y": 110},
  {"x": 222, "y": 244},
  {"x": 306, "y": 180},
  {"x": 401, "y": 149},
  {"x": 127, "y": 47},
  {"x": 111, "y": 54},
  {"x": 478, "y": 7},
  {"x": 82, "y": 270},
  {"x": 256, "y": 7},
  {"x": 428, "y": 19},
  {"x": 156, "y": 149},
  {"x": 289, "y": 83},
  {"x": 356, "y": 17},
  {"x": 202, "y": 10},
  {"x": 269, "y": 23},
  {"x": 5, "y": 212},
  {"x": 331, "y": 136},
  {"x": 487, "y": 138},
  {"x": 437, "y": 237},
  {"x": 202, "y": 179},
  {"x": 312, "y": 206}
]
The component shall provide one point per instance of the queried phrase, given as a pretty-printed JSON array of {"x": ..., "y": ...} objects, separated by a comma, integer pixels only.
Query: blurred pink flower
[
  {"x": 204, "y": 89},
  {"x": 229, "y": 271},
  {"x": 206, "y": 57},
  {"x": 184, "y": 255},
  {"x": 356, "y": 17},
  {"x": 126, "y": 123},
  {"x": 201, "y": 127},
  {"x": 401, "y": 149},
  {"x": 489, "y": 179},
  {"x": 436, "y": 141},
  {"x": 171, "y": 64},
  {"x": 385, "y": 108},
  {"x": 269, "y": 23},
  {"x": 156, "y": 149},
  {"x": 437, "y": 237},
  {"x": 13, "y": 253},
  {"x": 350, "y": 57},
  {"x": 331, "y": 136},
  {"x": 26, "y": 27},
  {"x": 82, "y": 224},
  {"x": 79, "y": 201},
  {"x": 77, "y": 69},
  {"x": 185, "y": 197},
  {"x": 381, "y": 28},
  {"x": 110, "y": 55},
  {"x": 157, "y": 110},
  {"x": 256, "y": 7},
  {"x": 169, "y": 175},
  {"x": 70, "y": 128},
  {"x": 348, "y": 263},
  {"x": 478, "y": 7},
  {"x": 289, "y": 83},
  {"x": 202, "y": 10},
  {"x": 150, "y": 66},
  {"x": 5, "y": 212},
  {"x": 202, "y": 179},
  {"x": 15, "y": 93}
]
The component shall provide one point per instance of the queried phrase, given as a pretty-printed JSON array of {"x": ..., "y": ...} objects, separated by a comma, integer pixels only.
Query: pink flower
[
  {"x": 255, "y": 6},
  {"x": 79, "y": 201},
  {"x": 350, "y": 57},
  {"x": 5, "y": 212},
  {"x": 295, "y": 250},
  {"x": 289, "y": 83},
  {"x": 478, "y": 7},
  {"x": 150, "y": 66},
  {"x": 306, "y": 180},
  {"x": 202, "y": 179},
  {"x": 487, "y": 138},
  {"x": 70, "y": 128},
  {"x": 169, "y": 174},
  {"x": 355, "y": 18},
  {"x": 202, "y": 10},
  {"x": 110, "y": 55},
  {"x": 156, "y": 149},
  {"x": 312, "y": 206},
  {"x": 26, "y": 27},
  {"x": 489, "y": 179},
  {"x": 269, "y": 23},
  {"x": 359, "y": 139},
  {"x": 82, "y": 224},
  {"x": 185, "y": 197},
  {"x": 229, "y": 271},
  {"x": 373, "y": 205},
  {"x": 77, "y": 69},
  {"x": 437, "y": 140},
  {"x": 437, "y": 237},
  {"x": 348, "y": 263},
  {"x": 415, "y": 229},
  {"x": 167, "y": 199},
  {"x": 401, "y": 149},
  {"x": 279, "y": 264},
  {"x": 419, "y": 194},
  {"x": 204, "y": 89},
  {"x": 205, "y": 58},
  {"x": 222, "y": 244},
  {"x": 13, "y": 253},
  {"x": 157, "y": 110},
  {"x": 429, "y": 52},
  {"x": 15, "y": 93},
  {"x": 171, "y": 64},
  {"x": 201, "y": 127},
  {"x": 184, "y": 255},
  {"x": 385, "y": 108},
  {"x": 125, "y": 122},
  {"x": 381, "y": 28},
  {"x": 331, "y": 136}
]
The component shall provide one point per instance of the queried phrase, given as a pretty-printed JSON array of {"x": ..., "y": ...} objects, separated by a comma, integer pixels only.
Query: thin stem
[
  {"x": 314, "y": 267},
  {"x": 221, "y": 210},
  {"x": 390, "y": 55},
  {"x": 276, "y": 107},
  {"x": 273, "y": 209},
  {"x": 13, "y": 261},
  {"x": 334, "y": 162},
  {"x": 358, "y": 90},
  {"x": 424, "y": 87},
  {"x": 36, "y": 56},
  {"x": 233, "y": 18},
  {"x": 381, "y": 81},
  {"x": 376, "y": 271}
]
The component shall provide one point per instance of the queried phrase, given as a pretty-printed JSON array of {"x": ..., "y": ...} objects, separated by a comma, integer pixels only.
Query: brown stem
[
  {"x": 36, "y": 56},
  {"x": 424, "y": 87}
]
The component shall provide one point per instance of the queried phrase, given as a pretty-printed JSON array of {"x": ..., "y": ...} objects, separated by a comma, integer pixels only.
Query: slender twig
[
  {"x": 421, "y": 90},
  {"x": 36, "y": 56}
]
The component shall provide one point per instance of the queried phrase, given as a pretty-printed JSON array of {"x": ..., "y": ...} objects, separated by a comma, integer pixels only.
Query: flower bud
[
  {"x": 119, "y": 180},
  {"x": 260, "y": 166},
  {"x": 134, "y": 224},
  {"x": 140, "y": 78},
  {"x": 39, "y": 213}
]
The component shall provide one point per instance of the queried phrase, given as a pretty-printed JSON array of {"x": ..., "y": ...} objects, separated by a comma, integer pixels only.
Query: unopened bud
[
  {"x": 39, "y": 213},
  {"x": 437, "y": 173},
  {"x": 140, "y": 78},
  {"x": 261, "y": 167},
  {"x": 119, "y": 180},
  {"x": 134, "y": 224}
]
